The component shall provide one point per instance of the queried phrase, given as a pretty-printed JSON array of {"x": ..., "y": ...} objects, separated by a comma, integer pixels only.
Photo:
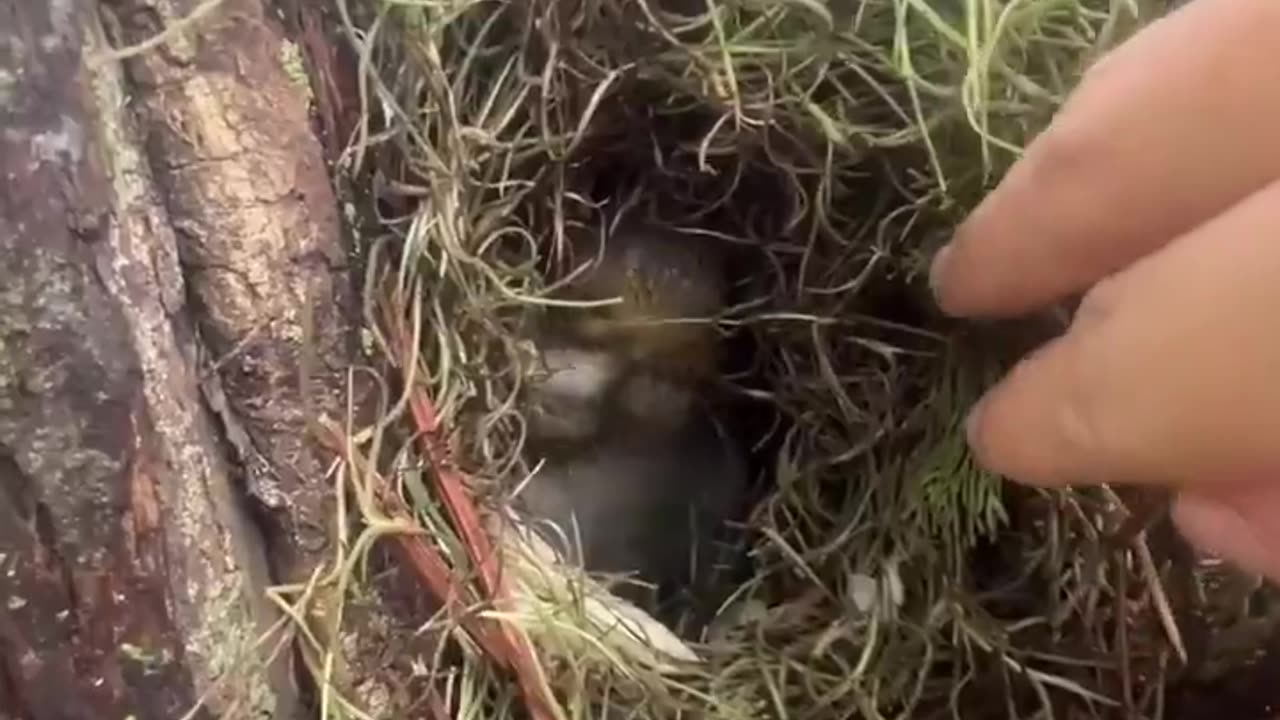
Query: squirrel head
[{"x": 669, "y": 287}]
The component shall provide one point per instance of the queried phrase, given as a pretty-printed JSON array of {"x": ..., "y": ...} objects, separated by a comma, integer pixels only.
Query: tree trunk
[{"x": 166, "y": 228}]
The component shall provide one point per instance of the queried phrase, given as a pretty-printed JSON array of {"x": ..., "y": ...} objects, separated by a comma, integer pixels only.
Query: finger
[
  {"x": 1169, "y": 373},
  {"x": 1239, "y": 523},
  {"x": 1168, "y": 130}
]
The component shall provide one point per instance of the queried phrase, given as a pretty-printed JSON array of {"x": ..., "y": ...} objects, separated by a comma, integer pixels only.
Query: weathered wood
[
  {"x": 161, "y": 232},
  {"x": 122, "y": 590},
  {"x": 259, "y": 239}
]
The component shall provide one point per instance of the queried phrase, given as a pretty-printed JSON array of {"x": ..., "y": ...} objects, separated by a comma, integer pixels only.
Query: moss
[{"x": 839, "y": 142}]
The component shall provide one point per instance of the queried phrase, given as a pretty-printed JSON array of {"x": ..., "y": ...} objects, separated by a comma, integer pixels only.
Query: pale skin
[{"x": 1156, "y": 194}]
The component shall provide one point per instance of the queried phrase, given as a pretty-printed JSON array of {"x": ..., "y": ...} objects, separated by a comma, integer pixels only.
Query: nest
[{"x": 836, "y": 143}]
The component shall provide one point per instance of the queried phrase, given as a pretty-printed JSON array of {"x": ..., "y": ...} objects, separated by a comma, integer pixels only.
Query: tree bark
[{"x": 165, "y": 221}]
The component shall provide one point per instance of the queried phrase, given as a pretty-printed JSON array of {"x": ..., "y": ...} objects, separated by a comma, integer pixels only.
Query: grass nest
[{"x": 836, "y": 143}]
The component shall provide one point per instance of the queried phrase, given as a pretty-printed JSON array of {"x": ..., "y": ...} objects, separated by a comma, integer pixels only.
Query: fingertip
[
  {"x": 1204, "y": 522},
  {"x": 986, "y": 269},
  {"x": 1104, "y": 185},
  {"x": 1216, "y": 527},
  {"x": 960, "y": 274},
  {"x": 937, "y": 269},
  {"x": 1042, "y": 423},
  {"x": 1022, "y": 455},
  {"x": 938, "y": 277},
  {"x": 973, "y": 422}
]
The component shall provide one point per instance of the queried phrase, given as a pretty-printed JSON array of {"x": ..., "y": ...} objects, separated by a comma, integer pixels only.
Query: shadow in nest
[{"x": 658, "y": 158}]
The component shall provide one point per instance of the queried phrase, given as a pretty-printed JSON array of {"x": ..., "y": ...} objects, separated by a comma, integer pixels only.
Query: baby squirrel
[
  {"x": 645, "y": 357},
  {"x": 635, "y": 467},
  {"x": 671, "y": 286},
  {"x": 655, "y": 507}
]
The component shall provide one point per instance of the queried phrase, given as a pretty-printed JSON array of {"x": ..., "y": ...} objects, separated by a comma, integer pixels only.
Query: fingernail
[
  {"x": 1200, "y": 519},
  {"x": 1218, "y": 529},
  {"x": 973, "y": 422},
  {"x": 936, "y": 267}
]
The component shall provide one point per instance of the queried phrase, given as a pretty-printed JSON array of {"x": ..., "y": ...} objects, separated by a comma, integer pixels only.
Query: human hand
[{"x": 1157, "y": 190}]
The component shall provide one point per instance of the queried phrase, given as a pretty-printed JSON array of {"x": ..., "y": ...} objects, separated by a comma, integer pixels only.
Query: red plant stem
[
  {"x": 462, "y": 511},
  {"x": 436, "y": 575}
]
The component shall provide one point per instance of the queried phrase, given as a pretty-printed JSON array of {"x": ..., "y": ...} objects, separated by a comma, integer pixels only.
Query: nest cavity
[{"x": 833, "y": 145}]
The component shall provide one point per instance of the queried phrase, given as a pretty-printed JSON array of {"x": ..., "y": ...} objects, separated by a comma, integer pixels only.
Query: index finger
[
  {"x": 1168, "y": 130},
  {"x": 1166, "y": 376}
]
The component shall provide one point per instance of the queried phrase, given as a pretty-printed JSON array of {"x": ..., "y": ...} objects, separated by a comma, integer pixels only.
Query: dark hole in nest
[
  {"x": 742, "y": 192},
  {"x": 640, "y": 142}
]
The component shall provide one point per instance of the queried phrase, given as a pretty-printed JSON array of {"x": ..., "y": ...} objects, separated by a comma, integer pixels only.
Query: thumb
[{"x": 1167, "y": 375}]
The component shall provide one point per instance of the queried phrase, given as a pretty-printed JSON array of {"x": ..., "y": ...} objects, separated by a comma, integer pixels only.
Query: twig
[
  {"x": 517, "y": 652},
  {"x": 1133, "y": 530},
  {"x": 1164, "y": 611}
]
